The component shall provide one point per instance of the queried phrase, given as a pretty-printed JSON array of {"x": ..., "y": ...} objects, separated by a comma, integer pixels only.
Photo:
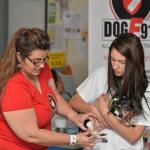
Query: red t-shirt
[{"x": 21, "y": 94}]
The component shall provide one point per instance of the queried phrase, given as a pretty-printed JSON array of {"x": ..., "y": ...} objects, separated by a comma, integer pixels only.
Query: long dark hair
[
  {"x": 135, "y": 80},
  {"x": 25, "y": 40}
]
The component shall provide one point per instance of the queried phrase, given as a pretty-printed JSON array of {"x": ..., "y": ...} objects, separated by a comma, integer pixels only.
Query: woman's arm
[
  {"x": 62, "y": 104},
  {"x": 131, "y": 134},
  {"x": 24, "y": 125},
  {"x": 69, "y": 112}
]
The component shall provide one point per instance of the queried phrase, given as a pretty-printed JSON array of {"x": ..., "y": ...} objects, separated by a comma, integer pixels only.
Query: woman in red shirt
[{"x": 29, "y": 98}]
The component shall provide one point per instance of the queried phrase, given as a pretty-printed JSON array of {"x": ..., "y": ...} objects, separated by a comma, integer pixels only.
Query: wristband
[{"x": 73, "y": 139}]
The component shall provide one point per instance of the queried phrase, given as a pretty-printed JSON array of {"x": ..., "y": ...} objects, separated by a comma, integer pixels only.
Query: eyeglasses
[{"x": 38, "y": 61}]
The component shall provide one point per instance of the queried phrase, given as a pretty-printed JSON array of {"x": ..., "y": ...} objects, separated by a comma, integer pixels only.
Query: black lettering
[
  {"x": 107, "y": 29},
  {"x": 116, "y": 28},
  {"x": 124, "y": 27}
]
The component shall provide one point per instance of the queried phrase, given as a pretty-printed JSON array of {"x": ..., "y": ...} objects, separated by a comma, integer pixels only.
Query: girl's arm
[
  {"x": 80, "y": 105},
  {"x": 132, "y": 134}
]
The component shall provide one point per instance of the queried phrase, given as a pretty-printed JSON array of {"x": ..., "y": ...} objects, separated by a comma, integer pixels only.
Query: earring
[{"x": 18, "y": 65}]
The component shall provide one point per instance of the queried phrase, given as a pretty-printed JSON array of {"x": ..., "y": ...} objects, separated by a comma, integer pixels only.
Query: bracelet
[{"x": 73, "y": 139}]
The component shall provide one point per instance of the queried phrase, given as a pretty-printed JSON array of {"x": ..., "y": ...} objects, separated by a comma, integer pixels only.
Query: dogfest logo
[{"x": 129, "y": 16}]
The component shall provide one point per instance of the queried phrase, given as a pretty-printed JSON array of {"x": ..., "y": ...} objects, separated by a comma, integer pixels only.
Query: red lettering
[{"x": 135, "y": 25}]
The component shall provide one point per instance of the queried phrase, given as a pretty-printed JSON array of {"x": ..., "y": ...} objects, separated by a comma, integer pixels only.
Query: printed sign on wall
[
  {"x": 108, "y": 19},
  {"x": 56, "y": 59}
]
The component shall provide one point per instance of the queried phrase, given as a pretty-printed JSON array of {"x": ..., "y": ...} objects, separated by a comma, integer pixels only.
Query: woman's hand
[
  {"x": 85, "y": 139},
  {"x": 80, "y": 119}
]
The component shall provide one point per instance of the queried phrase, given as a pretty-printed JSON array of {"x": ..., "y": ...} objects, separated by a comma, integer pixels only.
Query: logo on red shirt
[{"x": 53, "y": 104}]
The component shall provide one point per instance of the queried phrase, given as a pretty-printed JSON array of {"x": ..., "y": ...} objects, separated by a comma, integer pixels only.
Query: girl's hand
[
  {"x": 99, "y": 126},
  {"x": 102, "y": 104},
  {"x": 101, "y": 123}
]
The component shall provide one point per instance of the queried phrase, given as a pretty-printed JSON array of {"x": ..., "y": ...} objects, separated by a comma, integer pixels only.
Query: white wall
[
  {"x": 26, "y": 13},
  {"x": 97, "y": 10},
  {"x": 31, "y": 13},
  {"x": 3, "y": 24},
  {"x": 102, "y": 11},
  {"x": 78, "y": 63}
]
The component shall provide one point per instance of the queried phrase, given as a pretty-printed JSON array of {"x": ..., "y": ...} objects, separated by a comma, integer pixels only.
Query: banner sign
[{"x": 108, "y": 19}]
